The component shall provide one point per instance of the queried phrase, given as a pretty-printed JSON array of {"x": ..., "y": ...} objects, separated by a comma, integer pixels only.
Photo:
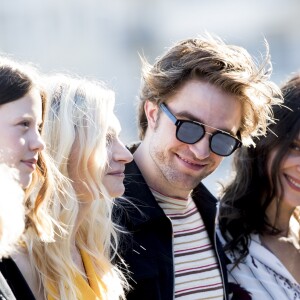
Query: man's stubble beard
[{"x": 166, "y": 172}]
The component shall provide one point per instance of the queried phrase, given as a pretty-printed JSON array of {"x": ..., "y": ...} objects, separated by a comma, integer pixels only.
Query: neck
[
  {"x": 153, "y": 175},
  {"x": 279, "y": 216}
]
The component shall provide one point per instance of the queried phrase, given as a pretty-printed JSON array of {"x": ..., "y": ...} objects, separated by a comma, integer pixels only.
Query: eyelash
[
  {"x": 25, "y": 123},
  {"x": 295, "y": 147},
  {"x": 109, "y": 138}
]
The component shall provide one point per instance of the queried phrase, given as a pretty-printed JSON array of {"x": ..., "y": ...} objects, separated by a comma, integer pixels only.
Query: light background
[{"x": 101, "y": 39}]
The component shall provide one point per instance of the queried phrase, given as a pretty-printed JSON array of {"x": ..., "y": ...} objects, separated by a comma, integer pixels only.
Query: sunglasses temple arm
[{"x": 168, "y": 113}]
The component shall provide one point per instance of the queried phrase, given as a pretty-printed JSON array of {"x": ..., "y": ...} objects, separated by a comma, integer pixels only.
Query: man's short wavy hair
[{"x": 228, "y": 67}]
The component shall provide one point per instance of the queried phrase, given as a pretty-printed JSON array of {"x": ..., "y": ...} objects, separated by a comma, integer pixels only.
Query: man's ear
[{"x": 151, "y": 111}]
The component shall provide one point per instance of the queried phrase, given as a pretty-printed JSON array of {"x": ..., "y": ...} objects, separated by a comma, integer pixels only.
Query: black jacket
[
  {"x": 148, "y": 249},
  {"x": 12, "y": 277}
]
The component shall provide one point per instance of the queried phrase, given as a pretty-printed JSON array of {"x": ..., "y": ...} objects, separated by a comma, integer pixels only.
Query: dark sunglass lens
[
  {"x": 223, "y": 144},
  {"x": 189, "y": 132}
]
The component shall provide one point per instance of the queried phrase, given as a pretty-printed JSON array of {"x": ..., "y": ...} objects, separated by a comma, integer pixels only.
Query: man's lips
[{"x": 191, "y": 163}]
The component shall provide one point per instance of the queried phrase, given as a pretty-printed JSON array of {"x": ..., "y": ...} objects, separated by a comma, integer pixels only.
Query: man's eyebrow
[
  {"x": 191, "y": 117},
  {"x": 188, "y": 115}
]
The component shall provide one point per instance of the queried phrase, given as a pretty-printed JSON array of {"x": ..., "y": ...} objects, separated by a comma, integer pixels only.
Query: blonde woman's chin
[{"x": 114, "y": 184}]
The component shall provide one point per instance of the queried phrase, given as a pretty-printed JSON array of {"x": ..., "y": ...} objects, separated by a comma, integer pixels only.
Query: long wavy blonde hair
[{"x": 79, "y": 110}]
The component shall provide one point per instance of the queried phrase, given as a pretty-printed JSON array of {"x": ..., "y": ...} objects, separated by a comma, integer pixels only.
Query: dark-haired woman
[{"x": 259, "y": 210}]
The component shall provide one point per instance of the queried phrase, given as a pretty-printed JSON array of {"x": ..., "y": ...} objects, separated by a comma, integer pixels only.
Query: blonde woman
[
  {"x": 82, "y": 137},
  {"x": 22, "y": 102}
]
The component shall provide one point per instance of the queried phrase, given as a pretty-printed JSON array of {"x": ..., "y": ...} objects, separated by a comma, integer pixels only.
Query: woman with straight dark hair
[{"x": 259, "y": 210}]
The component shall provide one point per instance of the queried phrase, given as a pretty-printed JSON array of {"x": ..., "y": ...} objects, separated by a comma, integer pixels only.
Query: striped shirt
[{"x": 197, "y": 275}]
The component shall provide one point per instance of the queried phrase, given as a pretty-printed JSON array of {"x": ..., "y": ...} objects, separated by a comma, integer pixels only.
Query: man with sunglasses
[{"x": 199, "y": 102}]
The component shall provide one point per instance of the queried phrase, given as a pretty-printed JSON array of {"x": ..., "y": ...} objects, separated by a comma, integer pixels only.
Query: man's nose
[{"x": 201, "y": 149}]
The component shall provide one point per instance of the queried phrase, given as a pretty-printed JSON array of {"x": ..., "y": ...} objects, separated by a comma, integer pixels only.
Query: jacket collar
[
  {"x": 138, "y": 193},
  {"x": 147, "y": 208}
]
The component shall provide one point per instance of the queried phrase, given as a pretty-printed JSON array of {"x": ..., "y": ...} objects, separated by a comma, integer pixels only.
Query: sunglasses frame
[{"x": 178, "y": 122}]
